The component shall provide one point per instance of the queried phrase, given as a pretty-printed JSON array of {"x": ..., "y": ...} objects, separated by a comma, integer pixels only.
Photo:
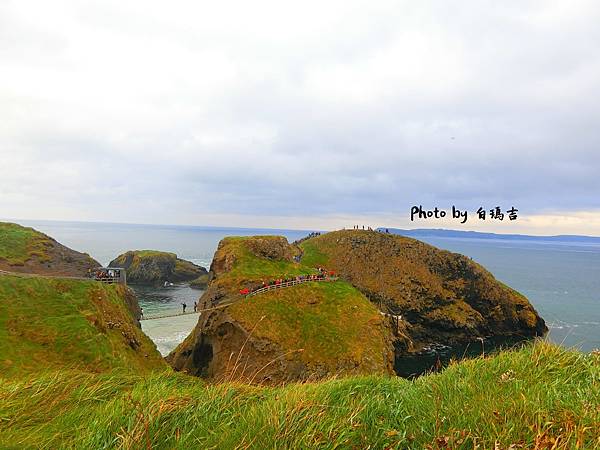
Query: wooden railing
[
  {"x": 107, "y": 279},
  {"x": 286, "y": 284}
]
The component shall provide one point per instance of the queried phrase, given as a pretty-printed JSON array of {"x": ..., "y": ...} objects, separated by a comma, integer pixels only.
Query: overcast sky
[{"x": 312, "y": 114}]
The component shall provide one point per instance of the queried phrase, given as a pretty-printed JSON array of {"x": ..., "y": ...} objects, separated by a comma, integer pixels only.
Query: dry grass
[{"x": 540, "y": 397}]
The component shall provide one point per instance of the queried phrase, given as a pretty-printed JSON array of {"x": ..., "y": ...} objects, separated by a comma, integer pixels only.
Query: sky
[{"x": 301, "y": 114}]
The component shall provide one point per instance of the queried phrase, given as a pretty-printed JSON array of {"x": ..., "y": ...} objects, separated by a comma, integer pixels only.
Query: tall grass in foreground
[{"x": 540, "y": 396}]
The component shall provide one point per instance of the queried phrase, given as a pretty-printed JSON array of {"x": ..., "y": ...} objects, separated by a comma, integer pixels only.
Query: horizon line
[{"x": 294, "y": 229}]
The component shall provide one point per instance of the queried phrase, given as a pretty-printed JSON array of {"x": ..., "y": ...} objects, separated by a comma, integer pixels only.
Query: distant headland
[{"x": 444, "y": 233}]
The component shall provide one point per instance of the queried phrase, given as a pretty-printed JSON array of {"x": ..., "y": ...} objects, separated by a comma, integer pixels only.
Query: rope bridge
[
  {"x": 164, "y": 316},
  {"x": 258, "y": 291}
]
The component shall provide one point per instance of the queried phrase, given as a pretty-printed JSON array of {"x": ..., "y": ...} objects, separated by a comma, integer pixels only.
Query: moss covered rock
[{"x": 154, "y": 267}]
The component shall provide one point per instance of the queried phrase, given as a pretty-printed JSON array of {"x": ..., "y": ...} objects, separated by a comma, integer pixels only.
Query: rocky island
[
  {"x": 440, "y": 296},
  {"x": 155, "y": 267},
  {"x": 394, "y": 295}
]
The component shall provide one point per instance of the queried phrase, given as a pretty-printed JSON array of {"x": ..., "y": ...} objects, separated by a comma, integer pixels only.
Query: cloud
[{"x": 255, "y": 112}]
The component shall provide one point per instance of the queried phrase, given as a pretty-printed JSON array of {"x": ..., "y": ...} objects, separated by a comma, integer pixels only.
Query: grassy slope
[
  {"x": 312, "y": 256},
  {"x": 46, "y": 323},
  {"x": 153, "y": 253},
  {"x": 19, "y": 244},
  {"x": 540, "y": 395},
  {"x": 435, "y": 285},
  {"x": 329, "y": 321},
  {"x": 251, "y": 267}
]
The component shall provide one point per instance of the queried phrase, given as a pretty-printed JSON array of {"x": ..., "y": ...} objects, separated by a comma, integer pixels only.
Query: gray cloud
[{"x": 173, "y": 111}]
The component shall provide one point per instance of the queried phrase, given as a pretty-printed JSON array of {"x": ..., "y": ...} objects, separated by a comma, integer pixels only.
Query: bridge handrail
[{"x": 285, "y": 284}]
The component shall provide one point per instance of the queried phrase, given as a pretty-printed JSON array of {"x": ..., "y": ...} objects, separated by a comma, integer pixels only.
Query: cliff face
[
  {"x": 26, "y": 250},
  {"x": 150, "y": 267},
  {"x": 305, "y": 332},
  {"x": 54, "y": 323},
  {"x": 441, "y": 296}
]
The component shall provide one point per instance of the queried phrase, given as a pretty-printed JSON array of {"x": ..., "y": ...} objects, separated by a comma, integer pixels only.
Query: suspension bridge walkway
[{"x": 165, "y": 316}]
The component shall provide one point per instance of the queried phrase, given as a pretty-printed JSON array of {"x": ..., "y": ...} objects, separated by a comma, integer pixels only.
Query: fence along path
[
  {"x": 107, "y": 280},
  {"x": 286, "y": 284}
]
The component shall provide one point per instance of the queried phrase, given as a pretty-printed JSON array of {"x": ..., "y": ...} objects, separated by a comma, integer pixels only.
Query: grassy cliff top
[
  {"x": 257, "y": 258},
  {"x": 153, "y": 254},
  {"x": 326, "y": 322},
  {"x": 18, "y": 244},
  {"x": 61, "y": 323},
  {"x": 434, "y": 289},
  {"x": 26, "y": 250},
  {"x": 538, "y": 397},
  {"x": 136, "y": 256}
]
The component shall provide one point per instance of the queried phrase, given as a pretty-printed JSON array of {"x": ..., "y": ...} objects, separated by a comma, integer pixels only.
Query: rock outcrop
[
  {"x": 154, "y": 267},
  {"x": 307, "y": 332},
  {"x": 441, "y": 296},
  {"x": 25, "y": 250}
]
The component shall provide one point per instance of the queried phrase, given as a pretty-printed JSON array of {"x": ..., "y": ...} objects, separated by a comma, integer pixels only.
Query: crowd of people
[
  {"x": 308, "y": 236},
  {"x": 322, "y": 274},
  {"x": 105, "y": 275},
  {"x": 367, "y": 228}
]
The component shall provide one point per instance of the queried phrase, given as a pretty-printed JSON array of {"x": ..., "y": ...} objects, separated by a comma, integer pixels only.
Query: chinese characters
[{"x": 496, "y": 213}]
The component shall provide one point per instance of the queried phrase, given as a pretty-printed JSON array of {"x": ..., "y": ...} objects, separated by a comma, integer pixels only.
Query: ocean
[{"x": 561, "y": 279}]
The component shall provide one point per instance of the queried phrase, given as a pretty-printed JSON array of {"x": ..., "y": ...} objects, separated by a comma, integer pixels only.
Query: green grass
[
  {"x": 140, "y": 255},
  {"x": 154, "y": 253},
  {"x": 312, "y": 256},
  {"x": 19, "y": 244},
  {"x": 329, "y": 321},
  {"x": 540, "y": 396},
  {"x": 60, "y": 323},
  {"x": 252, "y": 267}
]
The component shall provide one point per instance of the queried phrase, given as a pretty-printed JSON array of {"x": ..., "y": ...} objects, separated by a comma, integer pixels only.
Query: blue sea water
[{"x": 561, "y": 279}]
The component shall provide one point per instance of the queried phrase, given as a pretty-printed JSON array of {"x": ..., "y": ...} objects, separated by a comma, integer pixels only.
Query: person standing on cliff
[
  {"x": 184, "y": 306},
  {"x": 195, "y": 306}
]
